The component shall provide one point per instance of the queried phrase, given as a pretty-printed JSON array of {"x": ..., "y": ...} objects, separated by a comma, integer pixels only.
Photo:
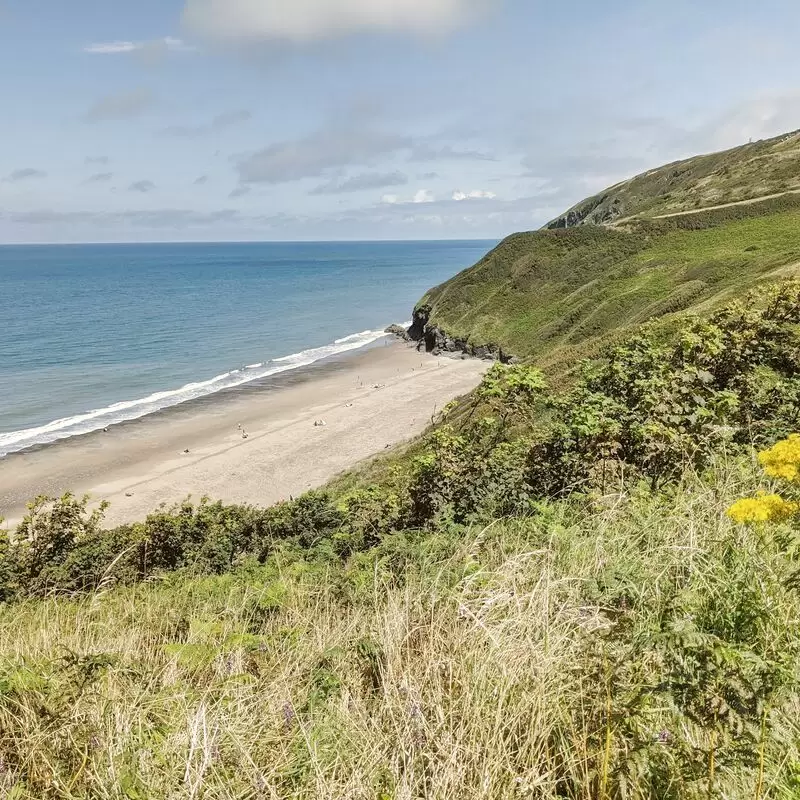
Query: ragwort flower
[
  {"x": 764, "y": 508},
  {"x": 783, "y": 459}
]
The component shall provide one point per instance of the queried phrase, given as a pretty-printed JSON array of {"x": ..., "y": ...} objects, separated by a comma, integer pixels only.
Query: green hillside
[
  {"x": 557, "y": 294},
  {"x": 754, "y": 170}
]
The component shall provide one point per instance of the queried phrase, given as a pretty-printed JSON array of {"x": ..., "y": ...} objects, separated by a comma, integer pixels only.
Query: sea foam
[{"x": 126, "y": 410}]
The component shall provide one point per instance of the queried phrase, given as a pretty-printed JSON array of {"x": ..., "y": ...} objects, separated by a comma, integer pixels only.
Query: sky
[{"x": 201, "y": 120}]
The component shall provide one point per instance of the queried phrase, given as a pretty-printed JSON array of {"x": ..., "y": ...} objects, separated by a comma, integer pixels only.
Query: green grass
[
  {"x": 559, "y": 295},
  {"x": 517, "y": 660},
  {"x": 742, "y": 173}
]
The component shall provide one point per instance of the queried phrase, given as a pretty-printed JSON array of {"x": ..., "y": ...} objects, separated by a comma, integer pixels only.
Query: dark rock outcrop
[
  {"x": 433, "y": 339},
  {"x": 599, "y": 210},
  {"x": 399, "y": 331}
]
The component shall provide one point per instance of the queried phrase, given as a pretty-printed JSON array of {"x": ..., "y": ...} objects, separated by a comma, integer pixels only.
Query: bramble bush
[{"x": 640, "y": 645}]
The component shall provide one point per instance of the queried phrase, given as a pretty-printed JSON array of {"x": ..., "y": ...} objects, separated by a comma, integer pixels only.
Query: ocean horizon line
[{"x": 162, "y": 242}]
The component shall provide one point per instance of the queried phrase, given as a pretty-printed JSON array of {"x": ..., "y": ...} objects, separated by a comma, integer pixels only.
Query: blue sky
[{"x": 365, "y": 119}]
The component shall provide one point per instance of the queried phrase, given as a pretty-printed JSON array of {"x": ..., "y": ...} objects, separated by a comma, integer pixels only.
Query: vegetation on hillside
[
  {"x": 648, "y": 410},
  {"x": 758, "y": 169},
  {"x": 632, "y": 645},
  {"x": 575, "y": 589},
  {"x": 557, "y": 296}
]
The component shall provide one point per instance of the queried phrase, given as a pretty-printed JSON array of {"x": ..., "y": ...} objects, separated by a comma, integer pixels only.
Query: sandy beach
[{"x": 368, "y": 401}]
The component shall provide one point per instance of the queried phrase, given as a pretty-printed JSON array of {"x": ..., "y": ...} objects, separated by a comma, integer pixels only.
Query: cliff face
[
  {"x": 431, "y": 338},
  {"x": 599, "y": 210}
]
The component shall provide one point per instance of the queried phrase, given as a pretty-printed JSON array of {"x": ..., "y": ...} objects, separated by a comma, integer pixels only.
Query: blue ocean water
[{"x": 91, "y": 335}]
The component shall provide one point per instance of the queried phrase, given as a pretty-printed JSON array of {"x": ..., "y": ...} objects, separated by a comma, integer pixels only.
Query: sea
[{"x": 94, "y": 335}]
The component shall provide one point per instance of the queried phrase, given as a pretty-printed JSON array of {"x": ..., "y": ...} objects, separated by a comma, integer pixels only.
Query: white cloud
[
  {"x": 421, "y": 196},
  {"x": 309, "y": 20},
  {"x": 115, "y": 48},
  {"x": 475, "y": 194}
]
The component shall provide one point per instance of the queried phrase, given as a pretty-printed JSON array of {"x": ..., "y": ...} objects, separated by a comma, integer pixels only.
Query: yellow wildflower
[
  {"x": 783, "y": 459},
  {"x": 764, "y": 508}
]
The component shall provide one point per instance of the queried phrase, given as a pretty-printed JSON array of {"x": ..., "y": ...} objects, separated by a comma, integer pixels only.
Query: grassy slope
[
  {"x": 753, "y": 170},
  {"x": 478, "y": 664},
  {"x": 557, "y": 295}
]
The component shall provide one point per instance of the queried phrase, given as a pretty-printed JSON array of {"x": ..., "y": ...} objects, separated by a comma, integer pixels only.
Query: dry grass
[{"x": 457, "y": 665}]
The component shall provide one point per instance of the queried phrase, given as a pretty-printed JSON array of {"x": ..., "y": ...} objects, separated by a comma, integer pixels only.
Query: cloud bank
[
  {"x": 350, "y": 140},
  {"x": 475, "y": 194},
  {"x": 359, "y": 183},
  {"x": 142, "y": 186},
  {"x": 420, "y": 196},
  {"x": 25, "y": 174},
  {"x": 312, "y": 156},
  {"x": 313, "y": 20}
]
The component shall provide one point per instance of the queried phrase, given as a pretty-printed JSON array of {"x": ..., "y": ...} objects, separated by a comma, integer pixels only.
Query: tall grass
[{"x": 601, "y": 648}]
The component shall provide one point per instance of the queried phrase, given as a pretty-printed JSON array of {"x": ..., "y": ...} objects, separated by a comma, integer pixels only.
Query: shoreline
[
  {"x": 370, "y": 399},
  {"x": 122, "y": 411},
  {"x": 267, "y": 383}
]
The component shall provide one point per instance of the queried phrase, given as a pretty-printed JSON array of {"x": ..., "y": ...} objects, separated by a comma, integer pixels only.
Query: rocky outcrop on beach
[
  {"x": 399, "y": 331},
  {"x": 433, "y": 339}
]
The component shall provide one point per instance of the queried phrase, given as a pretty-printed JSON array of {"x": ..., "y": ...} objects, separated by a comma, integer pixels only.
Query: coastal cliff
[
  {"x": 684, "y": 237},
  {"x": 434, "y": 339}
]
